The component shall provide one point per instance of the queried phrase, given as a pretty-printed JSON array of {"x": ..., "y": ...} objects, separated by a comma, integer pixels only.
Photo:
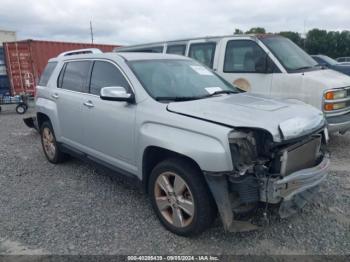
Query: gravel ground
[{"x": 73, "y": 208}]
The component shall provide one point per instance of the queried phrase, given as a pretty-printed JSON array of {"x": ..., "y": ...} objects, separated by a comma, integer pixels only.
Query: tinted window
[
  {"x": 44, "y": 79},
  {"x": 105, "y": 74},
  {"x": 151, "y": 49},
  {"x": 243, "y": 56},
  {"x": 176, "y": 49},
  {"x": 76, "y": 75},
  {"x": 203, "y": 53}
]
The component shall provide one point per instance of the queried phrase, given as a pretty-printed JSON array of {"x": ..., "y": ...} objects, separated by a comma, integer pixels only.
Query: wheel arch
[
  {"x": 153, "y": 155},
  {"x": 41, "y": 118}
]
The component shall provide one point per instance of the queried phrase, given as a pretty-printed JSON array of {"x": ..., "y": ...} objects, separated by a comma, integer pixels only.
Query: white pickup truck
[{"x": 270, "y": 65}]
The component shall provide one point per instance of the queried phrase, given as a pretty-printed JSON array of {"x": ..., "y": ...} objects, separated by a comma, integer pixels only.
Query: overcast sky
[{"x": 139, "y": 21}]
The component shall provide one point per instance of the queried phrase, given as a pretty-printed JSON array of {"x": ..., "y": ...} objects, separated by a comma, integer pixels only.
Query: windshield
[
  {"x": 289, "y": 54},
  {"x": 174, "y": 79}
]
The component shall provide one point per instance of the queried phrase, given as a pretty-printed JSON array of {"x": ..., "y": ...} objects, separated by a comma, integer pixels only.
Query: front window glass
[
  {"x": 243, "y": 56},
  {"x": 105, "y": 74},
  {"x": 289, "y": 54},
  {"x": 178, "y": 79}
]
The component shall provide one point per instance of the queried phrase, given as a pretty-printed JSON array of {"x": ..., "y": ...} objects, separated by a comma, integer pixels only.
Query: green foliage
[
  {"x": 331, "y": 43},
  {"x": 256, "y": 30},
  {"x": 238, "y": 31}
]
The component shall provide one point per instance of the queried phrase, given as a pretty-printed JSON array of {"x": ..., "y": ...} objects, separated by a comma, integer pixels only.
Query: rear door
[
  {"x": 239, "y": 64},
  {"x": 109, "y": 125},
  {"x": 70, "y": 96}
]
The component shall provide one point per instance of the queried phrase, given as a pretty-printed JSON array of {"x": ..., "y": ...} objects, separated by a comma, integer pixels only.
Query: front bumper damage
[{"x": 292, "y": 192}]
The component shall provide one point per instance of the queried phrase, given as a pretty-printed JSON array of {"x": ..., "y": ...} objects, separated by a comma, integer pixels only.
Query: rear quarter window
[
  {"x": 44, "y": 79},
  {"x": 203, "y": 53},
  {"x": 176, "y": 49}
]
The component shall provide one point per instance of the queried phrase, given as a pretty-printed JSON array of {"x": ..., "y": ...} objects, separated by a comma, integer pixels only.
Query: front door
[
  {"x": 241, "y": 63},
  {"x": 109, "y": 125}
]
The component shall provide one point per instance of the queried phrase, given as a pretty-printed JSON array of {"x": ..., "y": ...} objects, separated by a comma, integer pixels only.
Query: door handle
[
  {"x": 89, "y": 104},
  {"x": 55, "y": 95}
]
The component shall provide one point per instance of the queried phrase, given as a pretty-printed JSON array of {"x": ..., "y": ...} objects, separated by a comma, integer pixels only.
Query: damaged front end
[{"x": 286, "y": 173}]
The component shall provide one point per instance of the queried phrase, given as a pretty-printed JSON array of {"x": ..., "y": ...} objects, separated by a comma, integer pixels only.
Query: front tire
[
  {"x": 181, "y": 198},
  {"x": 50, "y": 145}
]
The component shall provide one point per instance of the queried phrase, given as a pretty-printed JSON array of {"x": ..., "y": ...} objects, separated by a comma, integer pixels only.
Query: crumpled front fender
[{"x": 218, "y": 186}]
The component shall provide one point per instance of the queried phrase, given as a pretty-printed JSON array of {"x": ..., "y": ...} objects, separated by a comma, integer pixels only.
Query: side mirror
[{"x": 116, "y": 93}]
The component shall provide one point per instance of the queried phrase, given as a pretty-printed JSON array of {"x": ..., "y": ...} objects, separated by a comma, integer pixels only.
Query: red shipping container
[{"x": 26, "y": 60}]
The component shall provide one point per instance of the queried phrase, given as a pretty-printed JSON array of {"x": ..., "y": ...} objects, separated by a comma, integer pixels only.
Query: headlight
[
  {"x": 335, "y": 94},
  {"x": 299, "y": 126},
  {"x": 334, "y": 106}
]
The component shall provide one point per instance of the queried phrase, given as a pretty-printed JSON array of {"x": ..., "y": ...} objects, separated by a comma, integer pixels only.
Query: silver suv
[{"x": 196, "y": 144}]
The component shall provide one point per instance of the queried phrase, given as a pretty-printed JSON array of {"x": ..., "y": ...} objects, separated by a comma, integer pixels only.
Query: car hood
[
  {"x": 283, "y": 119},
  {"x": 329, "y": 78}
]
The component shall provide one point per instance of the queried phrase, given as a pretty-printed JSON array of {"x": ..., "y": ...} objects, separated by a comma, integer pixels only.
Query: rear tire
[
  {"x": 50, "y": 145},
  {"x": 187, "y": 207}
]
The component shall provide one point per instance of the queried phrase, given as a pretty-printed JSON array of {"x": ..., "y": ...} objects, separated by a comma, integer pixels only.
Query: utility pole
[
  {"x": 92, "y": 33},
  {"x": 304, "y": 34}
]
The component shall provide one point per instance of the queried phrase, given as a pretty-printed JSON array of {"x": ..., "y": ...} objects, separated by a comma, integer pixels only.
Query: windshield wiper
[
  {"x": 307, "y": 67},
  {"x": 176, "y": 98},
  {"x": 189, "y": 98},
  {"x": 220, "y": 92}
]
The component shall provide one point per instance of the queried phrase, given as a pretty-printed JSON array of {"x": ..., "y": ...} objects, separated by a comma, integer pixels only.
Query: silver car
[{"x": 191, "y": 140}]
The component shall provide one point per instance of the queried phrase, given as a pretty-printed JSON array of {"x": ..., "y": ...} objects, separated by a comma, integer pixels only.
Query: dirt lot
[{"x": 74, "y": 209}]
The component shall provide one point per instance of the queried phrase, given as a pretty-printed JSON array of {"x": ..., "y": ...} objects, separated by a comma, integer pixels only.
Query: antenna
[{"x": 92, "y": 33}]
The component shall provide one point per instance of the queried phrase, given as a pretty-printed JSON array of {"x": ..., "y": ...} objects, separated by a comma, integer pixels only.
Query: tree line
[{"x": 331, "y": 43}]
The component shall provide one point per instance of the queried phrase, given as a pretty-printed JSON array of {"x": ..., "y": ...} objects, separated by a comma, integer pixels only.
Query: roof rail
[{"x": 81, "y": 51}]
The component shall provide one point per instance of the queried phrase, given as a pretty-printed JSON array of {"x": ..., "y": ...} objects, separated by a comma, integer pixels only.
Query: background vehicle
[
  {"x": 343, "y": 59},
  {"x": 269, "y": 65},
  {"x": 151, "y": 117},
  {"x": 324, "y": 60}
]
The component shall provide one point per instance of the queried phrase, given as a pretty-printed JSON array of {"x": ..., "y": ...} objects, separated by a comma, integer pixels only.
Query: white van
[{"x": 269, "y": 65}]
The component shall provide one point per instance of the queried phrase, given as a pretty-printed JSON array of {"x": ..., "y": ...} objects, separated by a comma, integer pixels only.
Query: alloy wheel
[
  {"x": 174, "y": 199},
  {"x": 49, "y": 143}
]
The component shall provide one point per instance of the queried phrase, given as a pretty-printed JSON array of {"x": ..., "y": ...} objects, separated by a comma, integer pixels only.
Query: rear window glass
[
  {"x": 176, "y": 49},
  {"x": 151, "y": 49},
  {"x": 44, "y": 79},
  {"x": 76, "y": 75},
  {"x": 203, "y": 53}
]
